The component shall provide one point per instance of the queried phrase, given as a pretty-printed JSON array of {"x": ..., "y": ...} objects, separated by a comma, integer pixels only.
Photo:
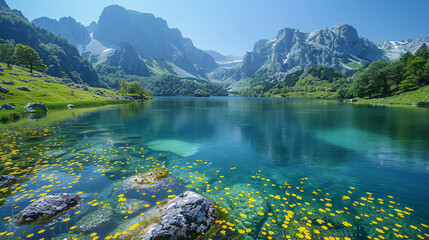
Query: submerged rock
[
  {"x": 96, "y": 219},
  {"x": 7, "y": 179},
  {"x": 178, "y": 147},
  {"x": 182, "y": 217},
  {"x": 47, "y": 207},
  {"x": 131, "y": 206}
]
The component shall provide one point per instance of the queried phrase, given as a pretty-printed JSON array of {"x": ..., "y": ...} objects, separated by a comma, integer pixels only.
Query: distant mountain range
[
  {"x": 143, "y": 45},
  {"x": 66, "y": 27}
]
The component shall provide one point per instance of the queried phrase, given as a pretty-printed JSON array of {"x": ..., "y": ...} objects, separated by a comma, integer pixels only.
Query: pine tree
[
  {"x": 27, "y": 57},
  {"x": 423, "y": 51}
]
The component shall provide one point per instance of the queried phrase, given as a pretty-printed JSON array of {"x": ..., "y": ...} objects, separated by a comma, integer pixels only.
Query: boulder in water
[{"x": 47, "y": 207}]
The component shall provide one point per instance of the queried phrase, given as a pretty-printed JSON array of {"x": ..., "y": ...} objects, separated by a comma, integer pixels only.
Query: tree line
[
  {"x": 21, "y": 54},
  {"x": 383, "y": 78}
]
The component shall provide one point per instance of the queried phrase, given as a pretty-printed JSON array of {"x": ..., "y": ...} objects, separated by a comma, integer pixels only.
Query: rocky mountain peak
[
  {"x": 3, "y": 5},
  {"x": 128, "y": 60},
  {"x": 152, "y": 38},
  {"x": 345, "y": 31}
]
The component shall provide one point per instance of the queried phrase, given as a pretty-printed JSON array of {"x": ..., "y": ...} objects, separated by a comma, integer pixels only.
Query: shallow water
[{"x": 279, "y": 167}]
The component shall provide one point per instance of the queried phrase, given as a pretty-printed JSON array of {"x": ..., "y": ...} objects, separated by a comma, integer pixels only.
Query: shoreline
[{"x": 13, "y": 116}]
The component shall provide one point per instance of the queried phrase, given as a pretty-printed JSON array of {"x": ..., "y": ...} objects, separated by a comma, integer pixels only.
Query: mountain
[
  {"x": 152, "y": 38},
  {"x": 91, "y": 28},
  {"x": 222, "y": 59},
  {"x": 60, "y": 56},
  {"x": 339, "y": 47},
  {"x": 127, "y": 60},
  {"x": 394, "y": 49},
  {"x": 3, "y": 5},
  {"x": 66, "y": 27}
]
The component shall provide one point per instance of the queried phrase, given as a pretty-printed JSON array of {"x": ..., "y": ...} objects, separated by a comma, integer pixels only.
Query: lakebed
[{"x": 275, "y": 168}]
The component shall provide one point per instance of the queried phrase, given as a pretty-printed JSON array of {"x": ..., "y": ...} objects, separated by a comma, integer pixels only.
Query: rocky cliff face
[
  {"x": 127, "y": 59},
  {"x": 394, "y": 49},
  {"x": 151, "y": 37},
  {"x": 292, "y": 49},
  {"x": 66, "y": 27}
]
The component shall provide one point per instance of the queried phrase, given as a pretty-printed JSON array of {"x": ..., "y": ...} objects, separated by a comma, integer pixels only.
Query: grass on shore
[
  {"x": 419, "y": 97},
  {"x": 53, "y": 94}
]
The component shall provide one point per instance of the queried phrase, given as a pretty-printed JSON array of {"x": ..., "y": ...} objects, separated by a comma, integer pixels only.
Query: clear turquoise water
[{"x": 381, "y": 150}]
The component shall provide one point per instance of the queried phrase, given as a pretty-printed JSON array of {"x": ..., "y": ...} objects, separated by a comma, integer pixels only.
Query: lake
[{"x": 276, "y": 168}]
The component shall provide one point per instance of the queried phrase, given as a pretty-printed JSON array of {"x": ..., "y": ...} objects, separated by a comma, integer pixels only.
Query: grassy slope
[
  {"x": 54, "y": 95},
  {"x": 417, "y": 97}
]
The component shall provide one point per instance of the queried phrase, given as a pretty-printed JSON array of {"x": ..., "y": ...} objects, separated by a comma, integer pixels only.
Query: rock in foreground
[
  {"x": 7, "y": 179},
  {"x": 47, "y": 207},
  {"x": 182, "y": 217}
]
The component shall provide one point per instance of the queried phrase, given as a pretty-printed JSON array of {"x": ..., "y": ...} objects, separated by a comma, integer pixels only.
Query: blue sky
[{"x": 233, "y": 26}]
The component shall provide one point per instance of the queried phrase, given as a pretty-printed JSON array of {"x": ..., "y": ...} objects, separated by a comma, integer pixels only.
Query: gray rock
[
  {"x": 4, "y": 90},
  {"x": 98, "y": 92},
  {"x": 71, "y": 91},
  {"x": 48, "y": 81},
  {"x": 47, "y": 207},
  {"x": 23, "y": 88},
  {"x": 34, "y": 106},
  {"x": 14, "y": 74},
  {"x": 23, "y": 80},
  {"x": 82, "y": 87},
  {"x": 1, "y": 98},
  {"x": 70, "y": 106},
  {"x": 183, "y": 217},
  {"x": 7, "y": 179},
  {"x": 7, "y": 82},
  {"x": 35, "y": 75},
  {"x": 1, "y": 74},
  {"x": 389, "y": 103},
  {"x": 6, "y": 106}
]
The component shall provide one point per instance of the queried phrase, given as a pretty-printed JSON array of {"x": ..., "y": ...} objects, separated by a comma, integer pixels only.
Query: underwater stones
[
  {"x": 181, "y": 148},
  {"x": 6, "y": 106},
  {"x": 55, "y": 153},
  {"x": 150, "y": 177},
  {"x": 131, "y": 185},
  {"x": 96, "y": 219},
  {"x": 7, "y": 179},
  {"x": 241, "y": 206},
  {"x": 182, "y": 217},
  {"x": 130, "y": 206},
  {"x": 4, "y": 90},
  {"x": 47, "y": 207},
  {"x": 70, "y": 106},
  {"x": 94, "y": 132}
]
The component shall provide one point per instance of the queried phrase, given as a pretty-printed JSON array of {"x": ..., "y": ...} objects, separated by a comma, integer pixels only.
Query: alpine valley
[{"x": 141, "y": 47}]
